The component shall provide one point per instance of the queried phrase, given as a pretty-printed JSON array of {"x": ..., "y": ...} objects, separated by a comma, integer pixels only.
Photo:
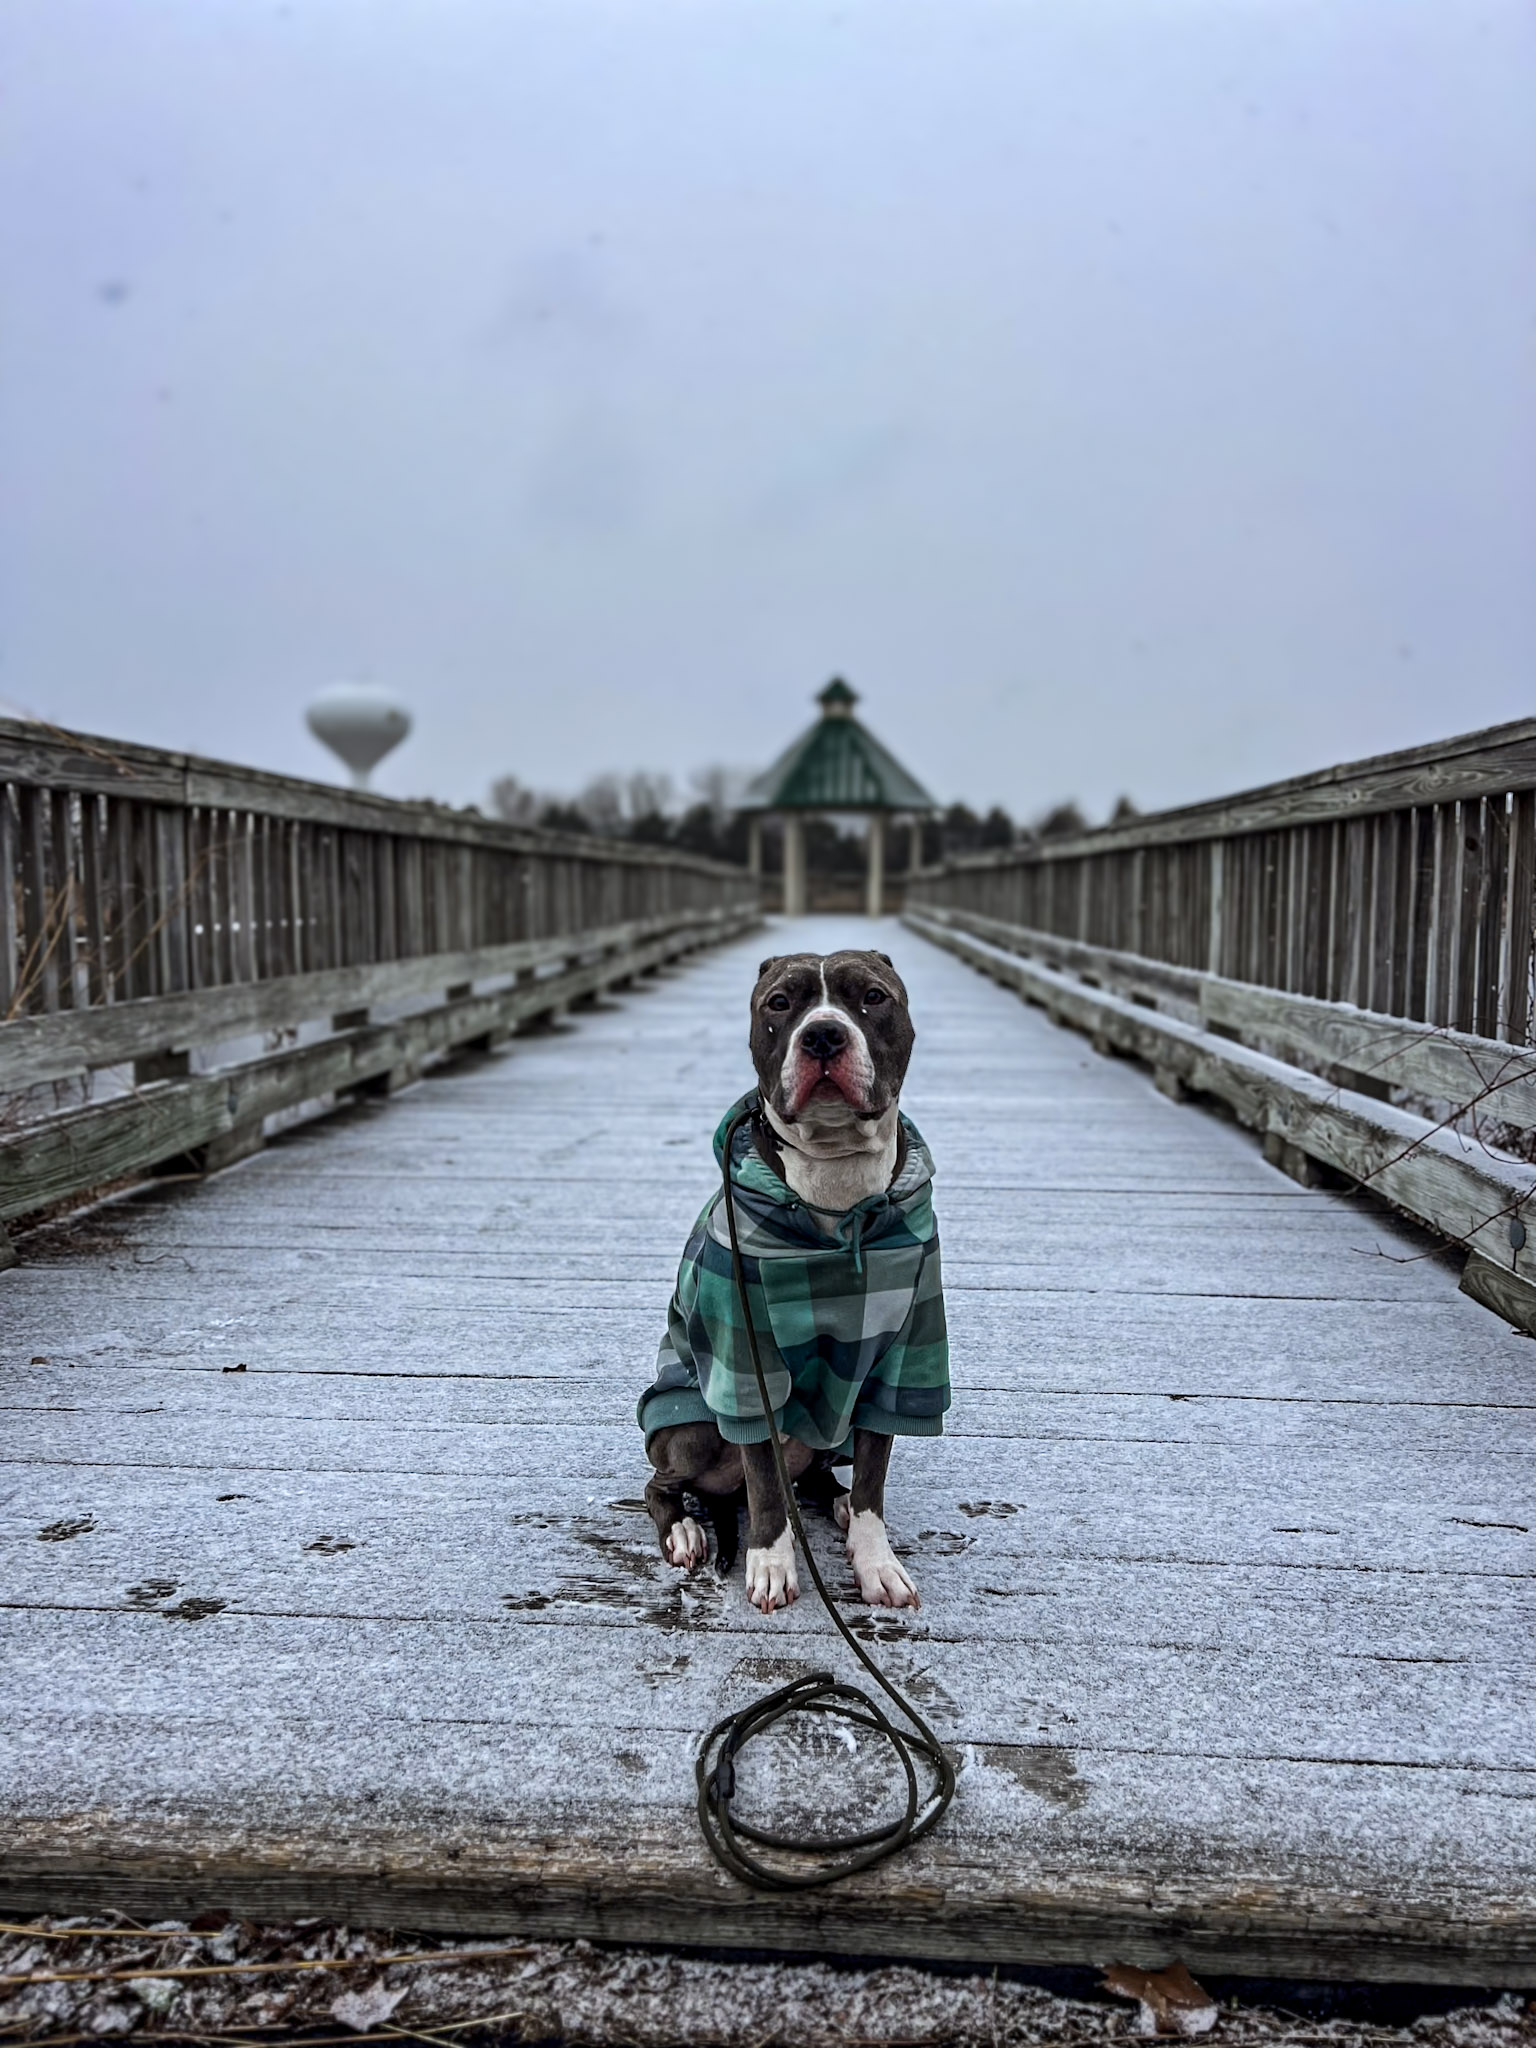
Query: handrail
[
  {"x": 1404, "y": 884},
  {"x": 204, "y": 922},
  {"x": 129, "y": 873}
]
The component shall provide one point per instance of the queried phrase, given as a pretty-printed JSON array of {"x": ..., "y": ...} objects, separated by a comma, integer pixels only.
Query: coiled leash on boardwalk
[{"x": 819, "y": 1692}]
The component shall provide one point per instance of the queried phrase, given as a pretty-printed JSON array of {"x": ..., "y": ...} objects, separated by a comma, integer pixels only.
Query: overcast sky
[{"x": 1124, "y": 394}]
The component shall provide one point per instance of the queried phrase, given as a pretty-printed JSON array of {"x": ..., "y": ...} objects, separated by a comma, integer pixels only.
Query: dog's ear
[
  {"x": 772, "y": 961},
  {"x": 886, "y": 958}
]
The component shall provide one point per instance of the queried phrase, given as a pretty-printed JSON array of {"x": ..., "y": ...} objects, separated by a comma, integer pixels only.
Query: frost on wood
[{"x": 586, "y": 1997}]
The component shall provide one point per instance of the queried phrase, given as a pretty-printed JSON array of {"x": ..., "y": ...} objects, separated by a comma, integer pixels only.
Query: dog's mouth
[{"x": 830, "y": 1081}]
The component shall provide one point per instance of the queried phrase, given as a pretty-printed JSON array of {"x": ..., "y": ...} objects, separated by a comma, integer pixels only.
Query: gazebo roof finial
[{"x": 837, "y": 699}]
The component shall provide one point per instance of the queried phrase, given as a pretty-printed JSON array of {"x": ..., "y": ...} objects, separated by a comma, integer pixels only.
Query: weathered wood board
[{"x": 1228, "y": 1553}]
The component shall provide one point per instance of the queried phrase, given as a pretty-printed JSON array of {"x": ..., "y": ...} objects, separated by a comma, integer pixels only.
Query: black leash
[{"x": 817, "y": 1693}]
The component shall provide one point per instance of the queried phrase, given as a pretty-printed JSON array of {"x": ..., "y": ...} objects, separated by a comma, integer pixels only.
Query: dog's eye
[
  {"x": 874, "y": 995},
  {"x": 778, "y": 1000}
]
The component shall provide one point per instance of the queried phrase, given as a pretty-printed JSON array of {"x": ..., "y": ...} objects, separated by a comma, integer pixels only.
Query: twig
[
  {"x": 367, "y": 1962},
  {"x": 90, "y": 1933}
]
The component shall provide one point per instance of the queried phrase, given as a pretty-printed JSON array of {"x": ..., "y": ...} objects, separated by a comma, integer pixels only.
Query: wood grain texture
[
  {"x": 1507, "y": 1293},
  {"x": 1227, "y": 1550}
]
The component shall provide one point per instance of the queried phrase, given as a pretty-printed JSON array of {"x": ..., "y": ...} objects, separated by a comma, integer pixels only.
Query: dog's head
[{"x": 830, "y": 1031}]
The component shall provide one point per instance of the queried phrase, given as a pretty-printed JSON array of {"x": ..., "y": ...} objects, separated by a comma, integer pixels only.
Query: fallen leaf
[
  {"x": 1171, "y": 2001},
  {"x": 361, "y": 2010}
]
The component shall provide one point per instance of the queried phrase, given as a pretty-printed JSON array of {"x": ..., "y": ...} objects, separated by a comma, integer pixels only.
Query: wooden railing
[
  {"x": 154, "y": 907},
  {"x": 1367, "y": 934}
]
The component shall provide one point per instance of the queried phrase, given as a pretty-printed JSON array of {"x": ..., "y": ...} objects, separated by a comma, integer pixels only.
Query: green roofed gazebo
[{"x": 838, "y": 765}]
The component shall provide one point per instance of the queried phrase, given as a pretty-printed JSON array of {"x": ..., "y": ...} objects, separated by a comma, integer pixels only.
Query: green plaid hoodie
[{"x": 851, "y": 1332}]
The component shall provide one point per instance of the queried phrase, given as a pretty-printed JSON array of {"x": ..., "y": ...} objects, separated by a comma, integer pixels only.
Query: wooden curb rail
[
  {"x": 942, "y": 1904},
  {"x": 1431, "y": 1172},
  {"x": 66, "y": 1155}
]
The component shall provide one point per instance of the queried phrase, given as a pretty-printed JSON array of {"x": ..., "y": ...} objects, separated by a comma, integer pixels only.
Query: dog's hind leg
[
  {"x": 724, "y": 1512},
  {"x": 683, "y": 1542},
  {"x": 690, "y": 1457},
  {"x": 821, "y": 1486}
]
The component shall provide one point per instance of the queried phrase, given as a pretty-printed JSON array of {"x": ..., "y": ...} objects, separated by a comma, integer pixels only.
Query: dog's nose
[{"x": 824, "y": 1041}]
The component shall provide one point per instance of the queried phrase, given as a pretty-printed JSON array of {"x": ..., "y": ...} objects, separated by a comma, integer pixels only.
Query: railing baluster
[
  {"x": 12, "y": 921},
  {"x": 1516, "y": 947},
  {"x": 1494, "y": 824}
]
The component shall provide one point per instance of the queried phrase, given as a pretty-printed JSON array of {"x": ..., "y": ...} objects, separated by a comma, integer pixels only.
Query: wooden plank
[
  {"x": 1488, "y": 919},
  {"x": 940, "y": 1903},
  {"x": 12, "y": 913},
  {"x": 1211, "y": 1478},
  {"x": 1520, "y": 923},
  {"x": 1211, "y": 1575},
  {"x": 1502, "y": 1289},
  {"x": 38, "y": 974},
  {"x": 1393, "y": 1711}
]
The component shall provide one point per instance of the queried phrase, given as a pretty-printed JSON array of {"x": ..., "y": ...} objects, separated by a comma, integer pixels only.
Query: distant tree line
[
  {"x": 706, "y": 819},
  {"x": 642, "y": 806}
]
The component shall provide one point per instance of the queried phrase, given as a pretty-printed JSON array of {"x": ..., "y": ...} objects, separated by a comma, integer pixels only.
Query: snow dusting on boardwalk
[{"x": 328, "y": 1589}]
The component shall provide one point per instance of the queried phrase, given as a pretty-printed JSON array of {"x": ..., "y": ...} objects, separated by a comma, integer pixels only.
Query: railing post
[
  {"x": 794, "y": 865},
  {"x": 874, "y": 890},
  {"x": 1218, "y": 906}
]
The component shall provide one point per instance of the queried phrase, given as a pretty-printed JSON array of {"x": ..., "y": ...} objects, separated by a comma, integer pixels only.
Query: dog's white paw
[
  {"x": 840, "y": 1510},
  {"x": 882, "y": 1581},
  {"x": 771, "y": 1578},
  {"x": 687, "y": 1545}
]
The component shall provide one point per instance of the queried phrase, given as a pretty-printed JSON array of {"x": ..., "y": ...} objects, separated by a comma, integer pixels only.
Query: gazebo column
[
  {"x": 755, "y": 843},
  {"x": 794, "y": 864},
  {"x": 874, "y": 868},
  {"x": 915, "y": 847}
]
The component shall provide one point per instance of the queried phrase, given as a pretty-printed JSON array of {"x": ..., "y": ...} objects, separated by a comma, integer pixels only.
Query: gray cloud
[{"x": 1126, "y": 394}]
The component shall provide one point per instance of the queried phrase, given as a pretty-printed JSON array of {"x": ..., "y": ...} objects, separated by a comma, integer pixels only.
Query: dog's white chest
[
  {"x": 836, "y": 1163},
  {"x": 839, "y": 1183}
]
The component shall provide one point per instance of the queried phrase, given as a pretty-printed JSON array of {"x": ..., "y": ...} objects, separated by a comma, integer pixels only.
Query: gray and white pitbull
[{"x": 831, "y": 1037}]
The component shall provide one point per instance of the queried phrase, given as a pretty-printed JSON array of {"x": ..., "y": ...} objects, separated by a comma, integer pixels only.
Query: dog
[{"x": 840, "y": 1253}]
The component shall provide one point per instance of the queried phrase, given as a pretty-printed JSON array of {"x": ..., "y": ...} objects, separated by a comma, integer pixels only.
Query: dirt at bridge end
[{"x": 66, "y": 1981}]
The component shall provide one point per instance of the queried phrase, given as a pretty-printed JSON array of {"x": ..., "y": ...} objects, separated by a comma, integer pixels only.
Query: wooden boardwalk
[{"x": 327, "y": 1587}]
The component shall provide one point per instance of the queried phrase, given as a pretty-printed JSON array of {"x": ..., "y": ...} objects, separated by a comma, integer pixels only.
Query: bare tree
[
  {"x": 602, "y": 804},
  {"x": 650, "y": 795},
  {"x": 515, "y": 801},
  {"x": 719, "y": 787}
]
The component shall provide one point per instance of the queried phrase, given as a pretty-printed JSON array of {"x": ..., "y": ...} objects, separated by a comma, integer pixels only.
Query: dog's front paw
[
  {"x": 882, "y": 1581},
  {"x": 771, "y": 1578},
  {"x": 686, "y": 1544}
]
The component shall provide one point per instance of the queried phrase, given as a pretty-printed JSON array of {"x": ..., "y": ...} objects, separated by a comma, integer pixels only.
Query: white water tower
[{"x": 360, "y": 724}]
